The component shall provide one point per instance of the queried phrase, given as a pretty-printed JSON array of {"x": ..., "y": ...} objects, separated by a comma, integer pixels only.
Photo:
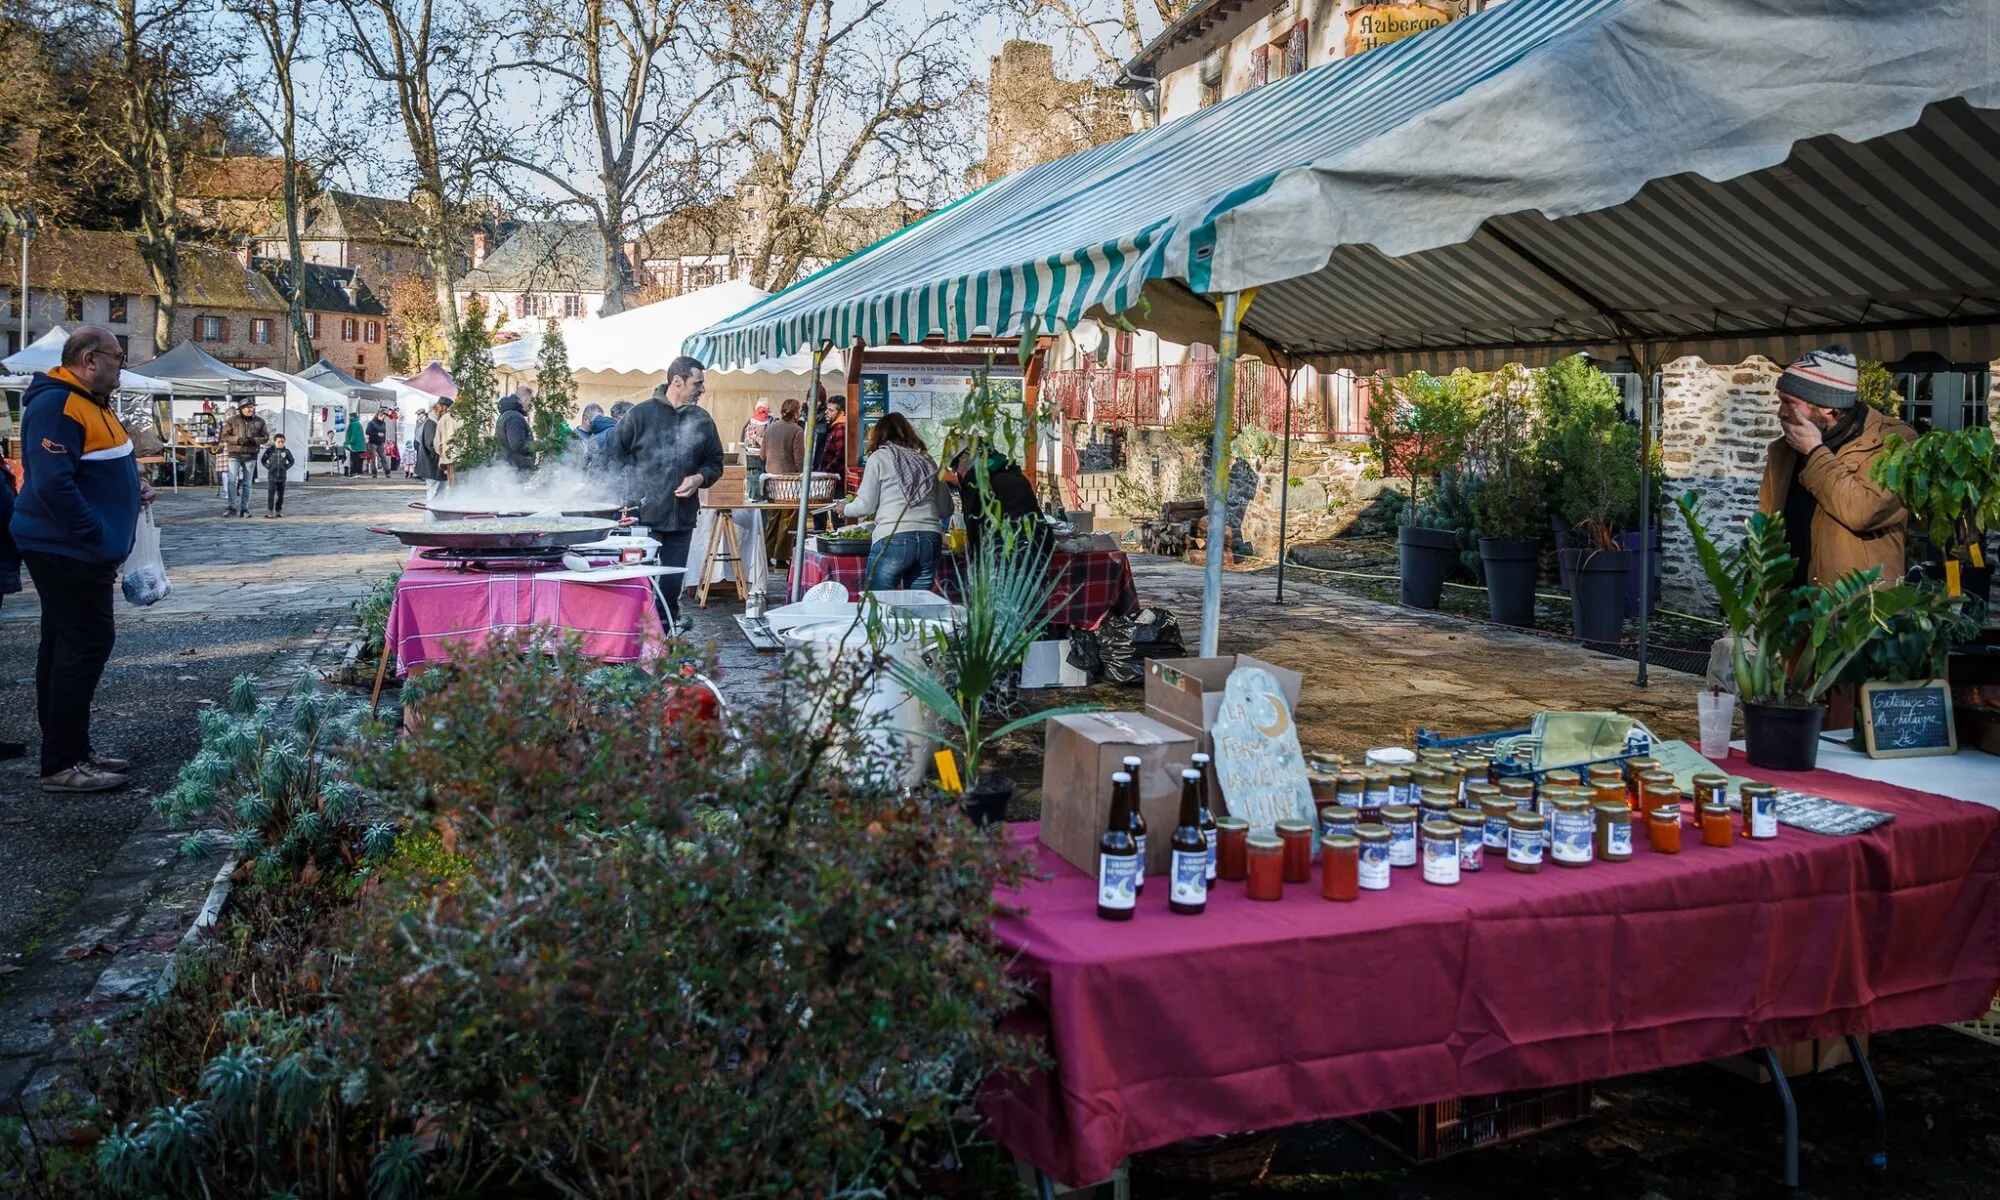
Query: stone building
[
  {"x": 542, "y": 269},
  {"x": 1035, "y": 116},
  {"x": 375, "y": 237},
  {"x": 80, "y": 276},
  {"x": 345, "y": 321},
  {"x": 238, "y": 195}
]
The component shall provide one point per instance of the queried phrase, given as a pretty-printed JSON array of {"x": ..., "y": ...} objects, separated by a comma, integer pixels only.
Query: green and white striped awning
[{"x": 1547, "y": 176}]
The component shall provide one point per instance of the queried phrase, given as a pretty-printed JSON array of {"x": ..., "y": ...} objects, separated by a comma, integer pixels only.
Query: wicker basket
[
  {"x": 786, "y": 487},
  {"x": 1229, "y": 1160}
]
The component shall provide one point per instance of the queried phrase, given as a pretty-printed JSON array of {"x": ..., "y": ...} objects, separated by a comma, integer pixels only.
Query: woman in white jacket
[{"x": 900, "y": 488}]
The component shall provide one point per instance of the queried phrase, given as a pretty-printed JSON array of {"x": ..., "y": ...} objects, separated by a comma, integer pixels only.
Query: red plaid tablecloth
[{"x": 1089, "y": 586}]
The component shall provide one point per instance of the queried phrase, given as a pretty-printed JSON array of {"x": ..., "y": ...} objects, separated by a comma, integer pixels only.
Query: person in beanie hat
[{"x": 1837, "y": 519}]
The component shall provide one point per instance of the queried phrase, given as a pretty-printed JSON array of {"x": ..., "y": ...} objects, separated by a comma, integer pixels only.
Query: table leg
[
  {"x": 1879, "y": 1159},
  {"x": 708, "y": 555},
  {"x": 737, "y": 566},
  {"x": 381, "y": 671},
  {"x": 1791, "y": 1108}
]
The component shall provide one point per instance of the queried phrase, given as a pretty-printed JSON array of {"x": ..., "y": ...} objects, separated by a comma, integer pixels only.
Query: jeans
[
  {"x": 904, "y": 561},
  {"x": 77, "y": 634},
  {"x": 674, "y": 553},
  {"x": 236, "y": 491}
]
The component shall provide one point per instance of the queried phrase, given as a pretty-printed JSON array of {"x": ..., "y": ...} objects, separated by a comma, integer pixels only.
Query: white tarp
[
  {"x": 293, "y": 414},
  {"x": 44, "y": 354},
  {"x": 644, "y": 340}
]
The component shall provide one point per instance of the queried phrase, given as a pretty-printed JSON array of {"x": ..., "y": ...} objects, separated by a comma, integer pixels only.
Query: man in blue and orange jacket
[{"x": 74, "y": 524}]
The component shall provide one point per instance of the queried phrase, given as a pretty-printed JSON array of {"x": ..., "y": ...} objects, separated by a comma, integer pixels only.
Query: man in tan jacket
[{"x": 1837, "y": 519}]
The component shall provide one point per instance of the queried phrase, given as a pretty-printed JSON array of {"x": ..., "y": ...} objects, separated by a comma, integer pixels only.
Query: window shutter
[
  {"x": 222, "y": 323},
  {"x": 1295, "y": 50},
  {"x": 1260, "y": 66}
]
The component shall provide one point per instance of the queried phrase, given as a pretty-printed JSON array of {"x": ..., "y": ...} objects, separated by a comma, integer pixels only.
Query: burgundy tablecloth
[
  {"x": 1088, "y": 586},
  {"x": 1259, "y": 1015},
  {"x": 442, "y": 612}
]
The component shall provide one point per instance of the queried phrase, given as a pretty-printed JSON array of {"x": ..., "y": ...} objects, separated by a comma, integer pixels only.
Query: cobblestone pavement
[{"x": 76, "y": 871}]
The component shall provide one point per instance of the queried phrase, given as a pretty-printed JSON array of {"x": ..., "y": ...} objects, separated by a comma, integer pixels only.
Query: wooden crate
[
  {"x": 1429, "y": 1132},
  {"x": 728, "y": 490}
]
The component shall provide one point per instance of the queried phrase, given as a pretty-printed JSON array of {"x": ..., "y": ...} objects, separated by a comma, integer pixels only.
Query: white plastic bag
[{"x": 145, "y": 572}]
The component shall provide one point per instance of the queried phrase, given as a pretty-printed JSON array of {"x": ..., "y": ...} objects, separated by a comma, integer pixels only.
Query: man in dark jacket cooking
[
  {"x": 512, "y": 431},
  {"x": 665, "y": 451}
]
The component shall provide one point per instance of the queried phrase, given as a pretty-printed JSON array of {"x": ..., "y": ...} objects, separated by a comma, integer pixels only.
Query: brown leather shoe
[
  {"x": 106, "y": 762},
  {"x": 83, "y": 777}
]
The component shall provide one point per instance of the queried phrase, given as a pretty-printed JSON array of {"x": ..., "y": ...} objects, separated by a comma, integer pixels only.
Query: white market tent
[
  {"x": 622, "y": 357},
  {"x": 1645, "y": 177},
  {"x": 293, "y": 414},
  {"x": 44, "y": 354}
]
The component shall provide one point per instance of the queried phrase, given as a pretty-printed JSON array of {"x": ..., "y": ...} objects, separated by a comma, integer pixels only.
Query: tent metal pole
[
  {"x": 1646, "y": 432},
  {"x": 1231, "y": 307},
  {"x": 1285, "y": 483},
  {"x": 805, "y": 477}
]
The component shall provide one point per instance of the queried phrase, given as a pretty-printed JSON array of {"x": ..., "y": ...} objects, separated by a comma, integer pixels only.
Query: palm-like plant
[{"x": 1789, "y": 644}]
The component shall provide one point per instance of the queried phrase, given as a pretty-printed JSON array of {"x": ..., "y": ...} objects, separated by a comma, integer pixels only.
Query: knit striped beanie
[{"x": 1826, "y": 378}]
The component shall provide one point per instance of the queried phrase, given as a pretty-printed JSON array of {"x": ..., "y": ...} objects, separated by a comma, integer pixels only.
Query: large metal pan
[
  {"x": 502, "y": 533},
  {"x": 580, "y": 508}
]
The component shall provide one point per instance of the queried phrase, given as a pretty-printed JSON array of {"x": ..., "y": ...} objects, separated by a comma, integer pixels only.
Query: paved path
[{"x": 247, "y": 593}]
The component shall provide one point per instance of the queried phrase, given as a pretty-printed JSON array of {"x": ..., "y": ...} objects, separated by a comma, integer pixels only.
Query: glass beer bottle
[
  {"x": 1132, "y": 764},
  {"x": 1118, "y": 863},
  {"x": 1207, "y": 815},
  {"x": 1187, "y": 873}
]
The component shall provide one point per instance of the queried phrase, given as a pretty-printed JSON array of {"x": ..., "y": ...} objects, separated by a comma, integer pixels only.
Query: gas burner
[{"x": 466, "y": 559}]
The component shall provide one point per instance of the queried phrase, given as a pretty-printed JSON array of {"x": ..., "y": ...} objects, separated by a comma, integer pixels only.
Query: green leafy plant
[
  {"x": 371, "y": 613},
  {"x": 1420, "y": 425},
  {"x": 1591, "y": 452},
  {"x": 1453, "y": 505},
  {"x": 1948, "y": 479},
  {"x": 1915, "y": 643},
  {"x": 1789, "y": 644},
  {"x": 1510, "y": 505},
  {"x": 476, "y": 408},
  {"x": 1877, "y": 388},
  {"x": 555, "y": 396}
]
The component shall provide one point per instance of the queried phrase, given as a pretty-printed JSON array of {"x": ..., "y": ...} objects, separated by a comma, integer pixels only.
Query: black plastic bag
[
  {"x": 1157, "y": 634},
  {"x": 1084, "y": 654}
]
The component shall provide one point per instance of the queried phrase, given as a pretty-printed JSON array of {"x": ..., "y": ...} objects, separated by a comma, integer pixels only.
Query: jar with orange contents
[
  {"x": 1716, "y": 827},
  {"x": 1267, "y": 867},
  {"x": 1663, "y": 829},
  {"x": 1634, "y": 768}
]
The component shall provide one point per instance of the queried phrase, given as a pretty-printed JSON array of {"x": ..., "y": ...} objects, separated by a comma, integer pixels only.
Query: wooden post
[
  {"x": 856, "y": 353},
  {"x": 1031, "y": 395}
]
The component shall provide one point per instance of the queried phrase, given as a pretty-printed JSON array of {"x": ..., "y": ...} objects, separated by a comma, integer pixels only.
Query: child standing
[{"x": 277, "y": 463}]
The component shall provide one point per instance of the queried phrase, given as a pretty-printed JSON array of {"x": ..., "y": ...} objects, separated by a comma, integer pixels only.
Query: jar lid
[
  {"x": 1468, "y": 816},
  {"x": 1399, "y": 812},
  {"x": 1341, "y": 841},
  {"x": 1397, "y": 773},
  {"x": 1481, "y": 790},
  {"x": 1497, "y": 806},
  {"x": 1265, "y": 841},
  {"x": 1713, "y": 777},
  {"x": 1666, "y": 795},
  {"x": 1375, "y": 776},
  {"x": 1571, "y": 804},
  {"x": 1641, "y": 763},
  {"x": 1757, "y": 789},
  {"x": 1524, "y": 820},
  {"x": 1231, "y": 823},
  {"x": 1617, "y": 809},
  {"x": 1371, "y": 832},
  {"x": 1447, "y": 796},
  {"x": 1293, "y": 825},
  {"x": 1337, "y": 812},
  {"x": 1515, "y": 785},
  {"x": 1440, "y": 829},
  {"x": 1602, "y": 772},
  {"x": 1657, "y": 777},
  {"x": 1562, "y": 777},
  {"x": 1671, "y": 812},
  {"x": 1715, "y": 810}
]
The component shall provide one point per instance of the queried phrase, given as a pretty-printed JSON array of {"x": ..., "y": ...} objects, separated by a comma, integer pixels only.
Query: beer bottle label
[
  {"x": 1190, "y": 877},
  {"x": 1208, "y": 872},
  {"x": 1118, "y": 880}
]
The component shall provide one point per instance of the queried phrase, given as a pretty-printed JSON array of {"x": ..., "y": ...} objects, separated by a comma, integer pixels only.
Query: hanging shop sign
[{"x": 1372, "y": 25}]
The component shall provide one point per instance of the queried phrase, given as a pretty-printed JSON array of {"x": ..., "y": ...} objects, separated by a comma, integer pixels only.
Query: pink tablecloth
[
  {"x": 1086, "y": 587},
  {"x": 1260, "y": 1015},
  {"x": 440, "y": 613}
]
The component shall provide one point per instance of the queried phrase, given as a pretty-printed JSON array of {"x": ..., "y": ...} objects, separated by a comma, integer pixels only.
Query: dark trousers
[
  {"x": 274, "y": 494},
  {"x": 77, "y": 634},
  {"x": 674, "y": 553}
]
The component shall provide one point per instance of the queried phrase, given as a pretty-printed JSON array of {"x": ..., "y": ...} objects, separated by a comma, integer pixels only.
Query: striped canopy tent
[{"x": 1641, "y": 177}]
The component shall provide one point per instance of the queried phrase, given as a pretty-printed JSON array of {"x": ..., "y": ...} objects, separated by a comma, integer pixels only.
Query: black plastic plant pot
[
  {"x": 1782, "y": 737},
  {"x": 1597, "y": 593},
  {"x": 1427, "y": 555},
  {"x": 986, "y": 801},
  {"x": 1510, "y": 579}
]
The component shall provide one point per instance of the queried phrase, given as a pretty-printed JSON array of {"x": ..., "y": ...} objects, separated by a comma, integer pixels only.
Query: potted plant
[
  {"x": 1950, "y": 482},
  {"x": 1788, "y": 644},
  {"x": 1595, "y": 469},
  {"x": 1509, "y": 512},
  {"x": 1004, "y": 589},
  {"x": 1419, "y": 428}
]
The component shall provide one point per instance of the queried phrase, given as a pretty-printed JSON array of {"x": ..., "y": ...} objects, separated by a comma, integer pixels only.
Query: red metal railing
[{"x": 1184, "y": 394}]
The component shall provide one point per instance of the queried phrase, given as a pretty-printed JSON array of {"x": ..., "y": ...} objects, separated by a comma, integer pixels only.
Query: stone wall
[
  {"x": 1329, "y": 489},
  {"x": 1716, "y": 423}
]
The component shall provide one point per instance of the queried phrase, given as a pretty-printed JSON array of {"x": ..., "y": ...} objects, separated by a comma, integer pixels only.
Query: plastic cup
[{"x": 1718, "y": 716}]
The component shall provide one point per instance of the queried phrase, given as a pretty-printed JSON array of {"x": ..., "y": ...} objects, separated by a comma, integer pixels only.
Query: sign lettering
[
  {"x": 1373, "y": 25},
  {"x": 1257, "y": 759}
]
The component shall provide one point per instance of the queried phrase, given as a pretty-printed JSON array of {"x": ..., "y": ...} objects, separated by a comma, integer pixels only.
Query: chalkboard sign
[{"x": 1903, "y": 720}]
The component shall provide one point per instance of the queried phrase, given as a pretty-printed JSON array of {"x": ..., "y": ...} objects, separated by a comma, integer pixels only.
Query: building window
[
  {"x": 374, "y": 332},
  {"x": 347, "y": 329},
  {"x": 260, "y": 330},
  {"x": 13, "y": 342},
  {"x": 210, "y": 329},
  {"x": 572, "y": 306},
  {"x": 124, "y": 343},
  {"x": 312, "y": 326},
  {"x": 1295, "y": 50},
  {"x": 1260, "y": 66},
  {"x": 1210, "y": 73},
  {"x": 531, "y": 304},
  {"x": 1942, "y": 395},
  {"x": 361, "y": 367},
  {"x": 120, "y": 312},
  {"x": 72, "y": 306}
]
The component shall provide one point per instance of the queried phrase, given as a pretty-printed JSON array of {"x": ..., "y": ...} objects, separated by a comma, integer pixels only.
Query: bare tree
[
  {"x": 1112, "y": 31},
  {"x": 847, "y": 102},
  {"x": 280, "y": 26},
  {"x": 629, "y": 88},
  {"x": 425, "y": 52}
]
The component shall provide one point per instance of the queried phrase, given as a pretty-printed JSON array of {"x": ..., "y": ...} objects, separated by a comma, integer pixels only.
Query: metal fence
[{"x": 1322, "y": 405}]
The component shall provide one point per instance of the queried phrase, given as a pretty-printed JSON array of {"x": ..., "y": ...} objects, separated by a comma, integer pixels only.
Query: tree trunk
[{"x": 294, "y": 243}]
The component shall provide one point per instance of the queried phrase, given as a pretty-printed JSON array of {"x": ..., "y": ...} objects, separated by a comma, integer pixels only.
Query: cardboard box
[
  {"x": 1794, "y": 1058},
  {"x": 1081, "y": 753},
  {"x": 1048, "y": 666},
  {"x": 1186, "y": 692}
]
